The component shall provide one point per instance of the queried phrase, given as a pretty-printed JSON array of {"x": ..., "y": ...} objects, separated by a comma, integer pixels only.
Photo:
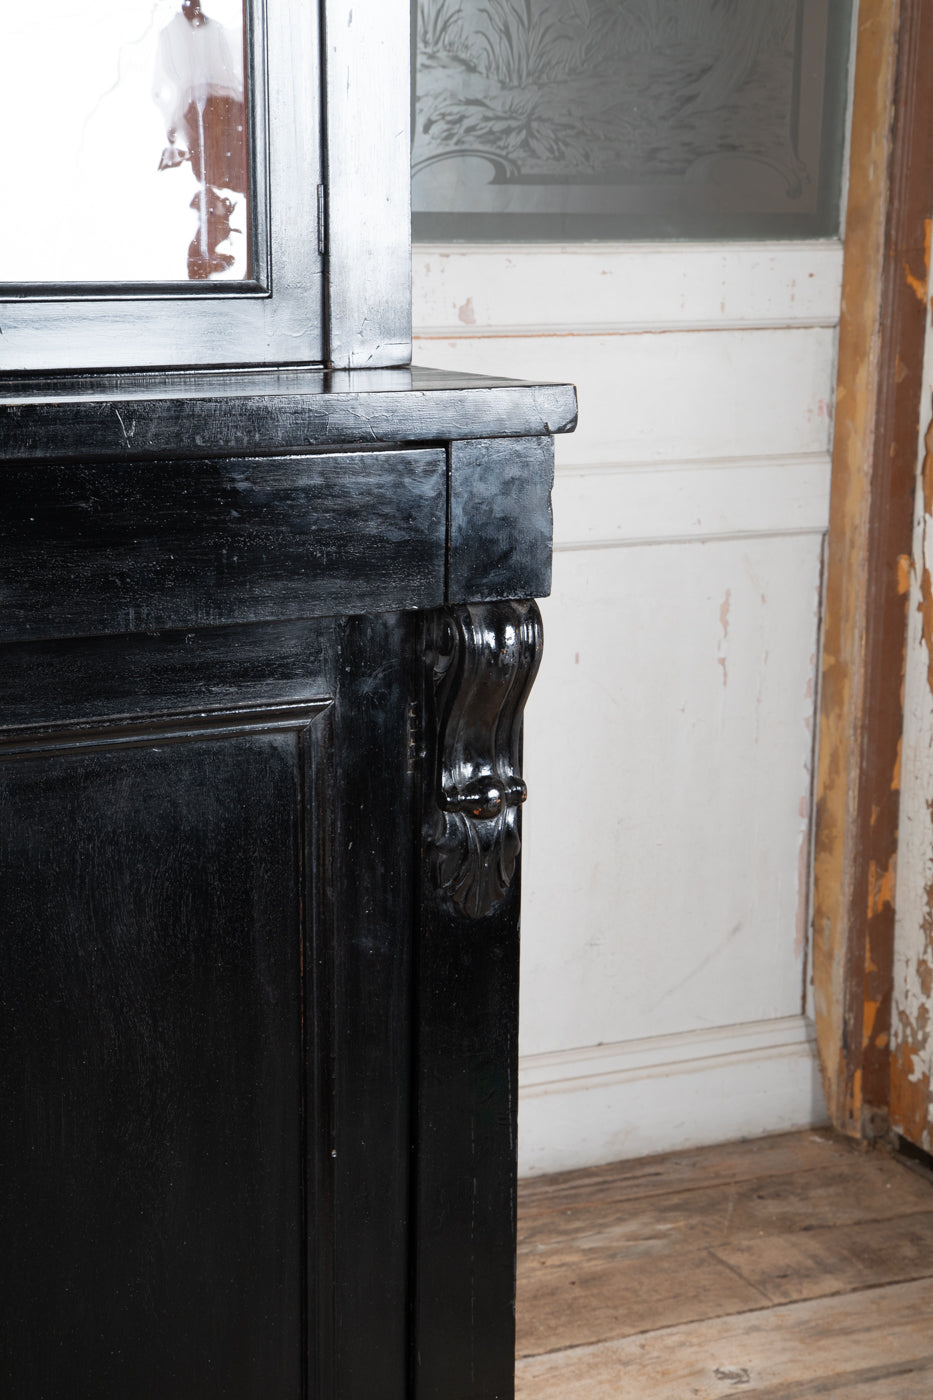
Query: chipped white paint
[
  {"x": 679, "y": 397},
  {"x": 522, "y": 288},
  {"x": 620, "y": 504},
  {"x": 913, "y": 937},
  {"x": 663, "y": 825},
  {"x": 669, "y": 735}
]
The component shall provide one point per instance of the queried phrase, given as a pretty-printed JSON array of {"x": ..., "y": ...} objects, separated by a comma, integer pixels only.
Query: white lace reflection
[{"x": 82, "y": 194}]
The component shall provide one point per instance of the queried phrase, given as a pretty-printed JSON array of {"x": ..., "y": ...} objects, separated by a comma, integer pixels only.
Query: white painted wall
[{"x": 669, "y": 735}]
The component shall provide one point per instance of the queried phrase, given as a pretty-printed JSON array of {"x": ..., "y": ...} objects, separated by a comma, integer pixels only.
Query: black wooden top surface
[{"x": 91, "y": 417}]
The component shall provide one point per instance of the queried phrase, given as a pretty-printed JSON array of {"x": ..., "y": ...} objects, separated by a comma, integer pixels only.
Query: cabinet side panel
[
  {"x": 500, "y": 518},
  {"x": 375, "y": 848},
  {"x": 467, "y": 1107},
  {"x": 485, "y": 657}
]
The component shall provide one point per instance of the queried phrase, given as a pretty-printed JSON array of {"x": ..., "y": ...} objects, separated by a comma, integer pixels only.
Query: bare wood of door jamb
[{"x": 874, "y": 461}]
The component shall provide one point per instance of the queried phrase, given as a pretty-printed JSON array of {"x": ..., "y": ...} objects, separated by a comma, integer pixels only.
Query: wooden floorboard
[
  {"x": 841, "y": 1260},
  {"x": 859, "y": 1345},
  {"x": 799, "y": 1256},
  {"x": 782, "y": 1154}
]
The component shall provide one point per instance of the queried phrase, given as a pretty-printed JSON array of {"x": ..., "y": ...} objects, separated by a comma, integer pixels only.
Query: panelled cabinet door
[{"x": 205, "y": 882}]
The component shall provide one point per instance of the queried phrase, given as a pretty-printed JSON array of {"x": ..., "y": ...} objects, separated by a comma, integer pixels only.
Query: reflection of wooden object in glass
[
  {"x": 266, "y": 641},
  {"x": 199, "y": 88},
  {"x": 218, "y": 157}
]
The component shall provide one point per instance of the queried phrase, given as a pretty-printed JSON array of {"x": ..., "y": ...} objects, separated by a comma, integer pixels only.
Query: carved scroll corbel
[{"x": 486, "y": 657}]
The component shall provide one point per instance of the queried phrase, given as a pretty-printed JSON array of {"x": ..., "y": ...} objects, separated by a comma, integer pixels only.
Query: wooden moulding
[{"x": 867, "y": 569}]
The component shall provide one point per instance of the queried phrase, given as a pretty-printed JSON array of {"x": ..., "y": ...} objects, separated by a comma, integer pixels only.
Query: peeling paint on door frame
[{"x": 871, "y": 514}]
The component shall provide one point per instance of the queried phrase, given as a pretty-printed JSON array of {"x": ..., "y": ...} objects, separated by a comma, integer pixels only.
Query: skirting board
[{"x": 603, "y": 1103}]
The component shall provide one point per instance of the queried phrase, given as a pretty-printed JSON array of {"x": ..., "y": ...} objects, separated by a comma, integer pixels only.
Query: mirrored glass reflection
[{"x": 127, "y": 144}]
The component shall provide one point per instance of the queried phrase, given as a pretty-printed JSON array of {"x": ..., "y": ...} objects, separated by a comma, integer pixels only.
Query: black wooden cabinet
[
  {"x": 265, "y": 642},
  {"x": 266, "y": 634}
]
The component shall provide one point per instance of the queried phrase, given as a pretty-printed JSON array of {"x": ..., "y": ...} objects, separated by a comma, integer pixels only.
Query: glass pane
[
  {"x": 559, "y": 119},
  {"x": 125, "y": 141}
]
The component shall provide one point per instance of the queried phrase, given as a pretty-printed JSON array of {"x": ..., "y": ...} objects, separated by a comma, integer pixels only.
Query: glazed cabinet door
[{"x": 206, "y": 875}]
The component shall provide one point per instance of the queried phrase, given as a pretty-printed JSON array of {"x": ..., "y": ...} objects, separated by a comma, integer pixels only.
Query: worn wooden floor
[{"x": 790, "y": 1268}]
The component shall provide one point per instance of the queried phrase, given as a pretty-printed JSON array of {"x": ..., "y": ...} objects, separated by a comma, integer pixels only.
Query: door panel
[
  {"x": 151, "y": 987},
  {"x": 205, "y": 963}
]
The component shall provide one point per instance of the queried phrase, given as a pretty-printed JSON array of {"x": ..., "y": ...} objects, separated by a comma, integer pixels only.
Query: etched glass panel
[
  {"x": 568, "y": 119},
  {"x": 125, "y": 142}
]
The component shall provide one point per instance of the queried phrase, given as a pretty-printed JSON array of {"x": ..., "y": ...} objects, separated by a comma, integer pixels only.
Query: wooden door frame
[{"x": 878, "y": 403}]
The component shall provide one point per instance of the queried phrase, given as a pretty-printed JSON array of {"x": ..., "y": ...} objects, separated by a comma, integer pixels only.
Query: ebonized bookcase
[{"x": 266, "y": 635}]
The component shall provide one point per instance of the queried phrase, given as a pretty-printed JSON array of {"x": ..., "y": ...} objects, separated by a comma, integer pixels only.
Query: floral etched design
[{"x": 619, "y": 92}]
